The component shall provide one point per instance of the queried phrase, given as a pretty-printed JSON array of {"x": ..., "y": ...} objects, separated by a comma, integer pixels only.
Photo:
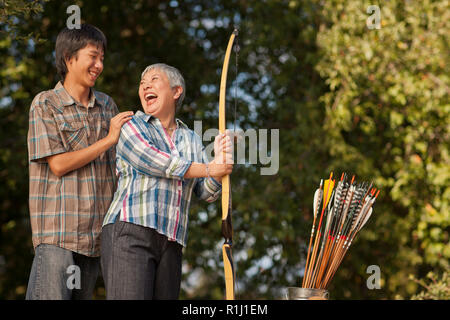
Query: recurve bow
[{"x": 227, "y": 228}]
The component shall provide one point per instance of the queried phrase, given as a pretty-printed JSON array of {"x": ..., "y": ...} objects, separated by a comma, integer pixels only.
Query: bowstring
[{"x": 236, "y": 69}]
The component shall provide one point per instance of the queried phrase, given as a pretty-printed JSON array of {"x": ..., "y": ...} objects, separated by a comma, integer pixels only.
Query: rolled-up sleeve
[
  {"x": 207, "y": 189},
  {"x": 136, "y": 148}
]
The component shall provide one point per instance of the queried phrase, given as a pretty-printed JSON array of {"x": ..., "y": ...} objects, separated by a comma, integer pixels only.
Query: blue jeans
[
  {"x": 138, "y": 263},
  {"x": 60, "y": 274}
]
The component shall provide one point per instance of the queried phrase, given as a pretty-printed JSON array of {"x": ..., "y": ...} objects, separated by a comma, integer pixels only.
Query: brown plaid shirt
[{"x": 68, "y": 211}]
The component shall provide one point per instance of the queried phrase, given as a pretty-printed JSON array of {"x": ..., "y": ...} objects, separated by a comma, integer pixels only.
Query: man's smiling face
[{"x": 87, "y": 65}]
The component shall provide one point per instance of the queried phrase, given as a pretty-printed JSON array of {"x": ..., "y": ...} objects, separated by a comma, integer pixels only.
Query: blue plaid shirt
[{"x": 152, "y": 191}]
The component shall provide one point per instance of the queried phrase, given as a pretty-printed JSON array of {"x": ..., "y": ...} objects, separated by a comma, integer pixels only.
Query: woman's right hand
[
  {"x": 223, "y": 148},
  {"x": 218, "y": 170}
]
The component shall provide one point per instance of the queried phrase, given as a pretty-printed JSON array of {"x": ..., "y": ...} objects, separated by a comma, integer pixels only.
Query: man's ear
[
  {"x": 68, "y": 60},
  {"x": 178, "y": 90}
]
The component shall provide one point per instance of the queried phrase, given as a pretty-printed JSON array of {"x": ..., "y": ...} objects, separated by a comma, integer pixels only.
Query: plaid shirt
[
  {"x": 68, "y": 211},
  {"x": 151, "y": 166}
]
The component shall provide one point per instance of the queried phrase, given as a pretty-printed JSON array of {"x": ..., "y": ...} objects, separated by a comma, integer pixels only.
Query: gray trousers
[
  {"x": 60, "y": 274},
  {"x": 138, "y": 263}
]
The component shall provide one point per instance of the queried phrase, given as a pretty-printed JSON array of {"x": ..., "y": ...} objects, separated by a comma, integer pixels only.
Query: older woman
[{"x": 160, "y": 162}]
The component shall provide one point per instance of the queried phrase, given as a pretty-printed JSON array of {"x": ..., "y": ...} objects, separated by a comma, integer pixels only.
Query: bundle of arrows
[{"x": 345, "y": 210}]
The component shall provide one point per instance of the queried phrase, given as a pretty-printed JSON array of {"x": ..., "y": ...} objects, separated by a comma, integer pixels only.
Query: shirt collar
[
  {"x": 147, "y": 117},
  {"x": 67, "y": 100}
]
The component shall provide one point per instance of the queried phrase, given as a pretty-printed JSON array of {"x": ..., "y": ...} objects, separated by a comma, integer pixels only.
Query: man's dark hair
[{"x": 69, "y": 41}]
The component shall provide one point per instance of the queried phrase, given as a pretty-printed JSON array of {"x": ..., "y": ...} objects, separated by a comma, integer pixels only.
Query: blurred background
[{"x": 345, "y": 95}]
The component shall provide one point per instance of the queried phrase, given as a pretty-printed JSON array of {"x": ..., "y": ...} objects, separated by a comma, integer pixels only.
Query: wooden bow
[{"x": 227, "y": 228}]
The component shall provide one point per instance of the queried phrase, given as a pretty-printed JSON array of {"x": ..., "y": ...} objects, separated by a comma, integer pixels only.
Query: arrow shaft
[{"x": 308, "y": 282}]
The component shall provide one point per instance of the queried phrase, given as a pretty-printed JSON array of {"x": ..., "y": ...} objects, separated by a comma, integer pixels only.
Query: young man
[
  {"x": 160, "y": 162},
  {"x": 72, "y": 129}
]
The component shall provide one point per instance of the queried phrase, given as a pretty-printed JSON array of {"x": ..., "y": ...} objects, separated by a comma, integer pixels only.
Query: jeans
[
  {"x": 60, "y": 274},
  {"x": 138, "y": 263}
]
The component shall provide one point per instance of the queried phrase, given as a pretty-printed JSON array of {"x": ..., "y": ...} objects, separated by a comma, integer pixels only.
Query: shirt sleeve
[
  {"x": 207, "y": 189},
  {"x": 114, "y": 110},
  {"x": 137, "y": 149},
  {"x": 43, "y": 133}
]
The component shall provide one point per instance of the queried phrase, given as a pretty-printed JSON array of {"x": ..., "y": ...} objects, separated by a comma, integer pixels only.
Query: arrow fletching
[
  {"x": 328, "y": 184},
  {"x": 318, "y": 195},
  {"x": 366, "y": 219}
]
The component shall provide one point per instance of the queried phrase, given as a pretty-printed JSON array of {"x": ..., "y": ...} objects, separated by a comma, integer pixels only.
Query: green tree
[
  {"x": 388, "y": 113},
  {"x": 373, "y": 102},
  {"x": 14, "y": 66}
]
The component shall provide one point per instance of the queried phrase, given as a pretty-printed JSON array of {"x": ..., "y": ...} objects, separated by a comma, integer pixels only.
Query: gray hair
[{"x": 174, "y": 76}]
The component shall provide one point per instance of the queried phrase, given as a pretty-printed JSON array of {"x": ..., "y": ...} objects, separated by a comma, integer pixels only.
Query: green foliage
[
  {"x": 373, "y": 102},
  {"x": 12, "y": 12},
  {"x": 388, "y": 111},
  {"x": 437, "y": 288}
]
